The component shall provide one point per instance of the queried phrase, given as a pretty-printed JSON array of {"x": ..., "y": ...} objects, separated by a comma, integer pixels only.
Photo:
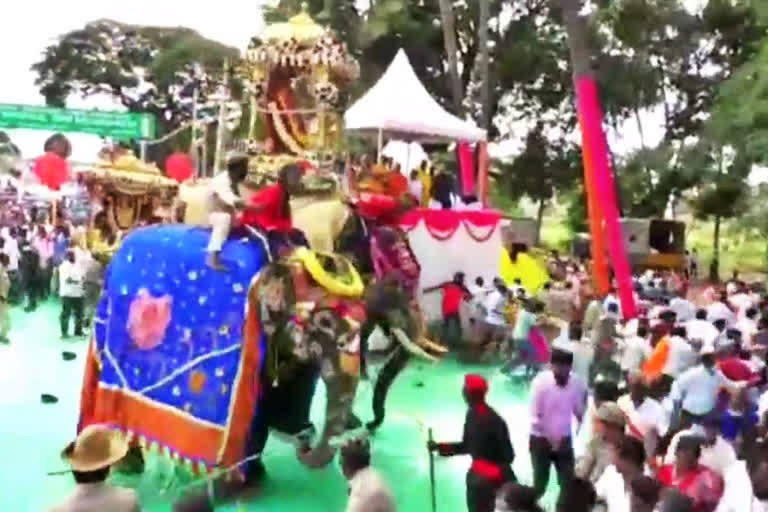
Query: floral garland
[
  {"x": 451, "y": 225},
  {"x": 282, "y": 131}
]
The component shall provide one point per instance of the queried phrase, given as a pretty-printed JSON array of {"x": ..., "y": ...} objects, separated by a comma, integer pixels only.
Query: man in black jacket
[
  {"x": 29, "y": 267},
  {"x": 486, "y": 440}
]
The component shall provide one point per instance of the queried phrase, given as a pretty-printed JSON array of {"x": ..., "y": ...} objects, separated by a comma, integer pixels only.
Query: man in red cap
[{"x": 486, "y": 440}]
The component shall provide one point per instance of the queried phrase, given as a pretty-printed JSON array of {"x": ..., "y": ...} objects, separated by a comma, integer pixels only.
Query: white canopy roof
[{"x": 400, "y": 106}]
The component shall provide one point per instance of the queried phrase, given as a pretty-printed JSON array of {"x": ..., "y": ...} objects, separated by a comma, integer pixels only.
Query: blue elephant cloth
[{"x": 193, "y": 372}]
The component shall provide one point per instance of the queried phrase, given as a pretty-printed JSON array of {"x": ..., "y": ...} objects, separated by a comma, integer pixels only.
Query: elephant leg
[
  {"x": 392, "y": 368},
  {"x": 257, "y": 439},
  {"x": 365, "y": 332}
]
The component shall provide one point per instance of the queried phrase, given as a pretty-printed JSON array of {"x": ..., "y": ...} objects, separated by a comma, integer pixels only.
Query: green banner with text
[{"x": 118, "y": 125}]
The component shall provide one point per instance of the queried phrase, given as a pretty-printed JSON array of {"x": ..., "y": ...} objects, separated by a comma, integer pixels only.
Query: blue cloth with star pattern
[{"x": 203, "y": 339}]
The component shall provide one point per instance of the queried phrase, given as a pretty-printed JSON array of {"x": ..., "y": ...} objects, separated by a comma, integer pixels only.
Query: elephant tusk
[
  {"x": 411, "y": 347},
  {"x": 433, "y": 346}
]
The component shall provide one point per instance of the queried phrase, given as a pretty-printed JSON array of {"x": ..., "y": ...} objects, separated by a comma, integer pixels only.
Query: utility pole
[{"x": 222, "y": 116}]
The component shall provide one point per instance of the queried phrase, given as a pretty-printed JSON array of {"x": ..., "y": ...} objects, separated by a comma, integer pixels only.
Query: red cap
[{"x": 475, "y": 383}]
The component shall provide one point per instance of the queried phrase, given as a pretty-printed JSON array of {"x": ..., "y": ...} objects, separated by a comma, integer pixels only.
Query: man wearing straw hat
[{"x": 96, "y": 449}]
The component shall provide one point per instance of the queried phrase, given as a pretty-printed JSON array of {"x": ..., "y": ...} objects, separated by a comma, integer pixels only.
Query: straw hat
[
  {"x": 95, "y": 448},
  {"x": 609, "y": 412}
]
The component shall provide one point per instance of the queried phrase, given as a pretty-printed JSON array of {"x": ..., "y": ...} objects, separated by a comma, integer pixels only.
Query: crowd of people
[
  {"x": 670, "y": 407},
  {"x": 40, "y": 261},
  {"x": 663, "y": 412}
]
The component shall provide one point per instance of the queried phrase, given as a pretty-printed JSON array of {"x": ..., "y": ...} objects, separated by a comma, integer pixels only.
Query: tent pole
[
  {"x": 378, "y": 145},
  {"x": 408, "y": 160}
]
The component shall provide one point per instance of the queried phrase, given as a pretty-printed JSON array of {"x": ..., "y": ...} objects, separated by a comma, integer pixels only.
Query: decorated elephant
[{"x": 205, "y": 363}]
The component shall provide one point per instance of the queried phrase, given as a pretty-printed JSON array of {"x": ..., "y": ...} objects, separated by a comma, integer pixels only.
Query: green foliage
[
  {"x": 724, "y": 187},
  {"x": 541, "y": 169},
  {"x": 146, "y": 69}
]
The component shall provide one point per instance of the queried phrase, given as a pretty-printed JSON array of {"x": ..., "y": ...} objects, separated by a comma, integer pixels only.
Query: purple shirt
[{"x": 552, "y": 406}]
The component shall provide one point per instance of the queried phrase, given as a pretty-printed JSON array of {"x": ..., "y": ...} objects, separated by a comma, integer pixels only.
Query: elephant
[{"x": 206, "y": 363}]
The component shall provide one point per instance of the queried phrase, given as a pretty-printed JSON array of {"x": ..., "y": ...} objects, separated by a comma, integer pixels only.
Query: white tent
[{"x": 399, "y": 107}]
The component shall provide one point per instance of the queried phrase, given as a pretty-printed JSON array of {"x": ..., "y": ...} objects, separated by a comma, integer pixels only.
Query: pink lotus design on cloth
[{"x": 148, "y": 319}]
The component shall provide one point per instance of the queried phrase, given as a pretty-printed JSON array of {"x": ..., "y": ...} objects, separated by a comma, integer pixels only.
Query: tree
[
  {"x": 146, "y": 69},
  {"x": 541, "y": 170},
  {"x": 741, "y": 110},
  {"x": 725, "y": 170}
]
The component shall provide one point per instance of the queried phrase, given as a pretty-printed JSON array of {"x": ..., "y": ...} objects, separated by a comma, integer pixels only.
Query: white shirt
[
  {"x": 697, "y": 389},
  {"x": 682, "y": 308},
  {"x": 494, "y": 307},
  {"x": 718, "y": 457},
  {"x": 748, "y": 329},
  {"x": 649, "y": 416},
  {"x": 636, "y": 350},
  {"x": 368, "y": 493},
  {"x": 611, "y": 489},
  {"x": 681, "y": 356},
  {"x": 11, "y": 248},
  {"x": 416, "y": 187},
  {"x": 701, "y": 330},
  {"x": 742, "y": 301},
  {"x": 221, "y": 186},
  {"x": 71, "y": 277},
  {"x": 738, "y": 492},
  {"x": 99, "y": 497},
  {"x": 762, "y": 406},
  {"x": 719, "y": 311}
]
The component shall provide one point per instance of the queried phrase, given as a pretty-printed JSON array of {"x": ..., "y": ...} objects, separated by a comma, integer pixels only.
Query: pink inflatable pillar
[
  {"x": 483, "y": 162},
  {"x": 594, "y": 141},
  {"x": 466, "y": 168}
]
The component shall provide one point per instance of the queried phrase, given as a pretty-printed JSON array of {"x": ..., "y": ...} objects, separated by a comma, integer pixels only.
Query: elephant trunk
[{"x": 340, "y": 394}]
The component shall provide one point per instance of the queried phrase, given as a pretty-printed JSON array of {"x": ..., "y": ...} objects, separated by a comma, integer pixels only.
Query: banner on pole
[{"x": 118, "y": 125}]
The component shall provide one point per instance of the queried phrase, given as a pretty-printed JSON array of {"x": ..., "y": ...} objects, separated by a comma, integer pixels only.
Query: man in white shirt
[
  {"x": 694, "y": 392},
  {"x": 367, "y": 490},
  {"x": 716, "y": 453},
  {"x": 612, "y": 488},
  {"x": 681, "y": 356},
  {"x": 701, "y": 329},
  {"x": 646, "y": 417},
  {"x": 721, "y": 310},
  {"x": 223, "y": 202},
  {"x": 737, "y": 492},
  {"x": 96, "y": 449},
  {"x": 682, "y": 307},
  {"x": 71, "y": 290},
  {"x": 747, "y": 325},
  {"x": 636, "y": 349}
]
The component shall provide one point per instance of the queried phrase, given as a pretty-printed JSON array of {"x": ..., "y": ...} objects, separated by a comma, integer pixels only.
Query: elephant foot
[
  {"x": 132, "y": 463},
  {"x": 374, "y": 425},
  {"x": 226, "y": 489},
  {"x": 353, "y": 422}
]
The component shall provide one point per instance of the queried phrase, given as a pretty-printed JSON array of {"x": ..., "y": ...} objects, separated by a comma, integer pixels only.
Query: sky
[{"x": 232, "y": 22}]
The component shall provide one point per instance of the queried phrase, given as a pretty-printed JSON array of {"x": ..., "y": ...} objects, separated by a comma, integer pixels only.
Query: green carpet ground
[{"x": 32, "y": 434}]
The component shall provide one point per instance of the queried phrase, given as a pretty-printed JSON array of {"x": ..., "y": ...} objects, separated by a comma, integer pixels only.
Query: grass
[{"x": 739, "y": 249}]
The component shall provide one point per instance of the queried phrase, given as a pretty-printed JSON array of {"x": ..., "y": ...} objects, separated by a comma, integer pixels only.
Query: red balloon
[
  {"x": 179, "y": 166},
  {"x": 51, "y": 170}
]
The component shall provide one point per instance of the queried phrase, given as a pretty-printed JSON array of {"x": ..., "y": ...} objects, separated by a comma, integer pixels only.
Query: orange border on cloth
[{"x": 181, "y": 432}]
